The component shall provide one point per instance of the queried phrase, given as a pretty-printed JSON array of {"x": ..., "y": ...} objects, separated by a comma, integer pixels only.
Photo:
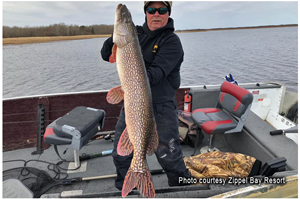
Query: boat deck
[
  {"x": 254, "y": 141},
  {"x": 102, "y": 166}
]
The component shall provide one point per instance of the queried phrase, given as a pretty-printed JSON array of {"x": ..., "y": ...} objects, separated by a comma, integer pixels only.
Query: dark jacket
[{"x": 162, "y": 63}]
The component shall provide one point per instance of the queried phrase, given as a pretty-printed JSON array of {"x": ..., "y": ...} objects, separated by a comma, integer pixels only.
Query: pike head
[{"x": 124, "y": 29}]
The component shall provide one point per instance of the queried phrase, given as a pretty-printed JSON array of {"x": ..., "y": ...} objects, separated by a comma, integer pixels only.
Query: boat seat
[
  {"x": 228, "y": 116},
  {"x": 75, "y": 129}
]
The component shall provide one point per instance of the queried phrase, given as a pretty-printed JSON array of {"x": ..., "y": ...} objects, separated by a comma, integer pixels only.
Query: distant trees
[{"x": 60, "y": 29}]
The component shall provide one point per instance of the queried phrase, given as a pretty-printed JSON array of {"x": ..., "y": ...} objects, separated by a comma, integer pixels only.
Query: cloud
[{"x": 187, "y": 14}]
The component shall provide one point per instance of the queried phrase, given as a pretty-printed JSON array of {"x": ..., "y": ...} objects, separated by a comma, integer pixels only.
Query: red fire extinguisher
[{"x": 187, "y": 101}]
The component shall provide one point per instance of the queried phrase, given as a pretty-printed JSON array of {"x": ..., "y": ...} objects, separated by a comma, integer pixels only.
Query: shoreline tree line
[{"x": 60, "y": 29}]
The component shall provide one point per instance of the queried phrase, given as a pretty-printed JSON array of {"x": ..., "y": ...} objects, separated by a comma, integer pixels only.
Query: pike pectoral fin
[
  {"x": 153, "y": 142},
  {"x": 124, "y": 146},
  {"x": 142, "y": 181},
  {"x": 113, "y": 56},
  {"x": 115, "y": 95}
]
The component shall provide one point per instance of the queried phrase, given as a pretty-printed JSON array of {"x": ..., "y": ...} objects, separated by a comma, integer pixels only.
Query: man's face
[{"x": 155, "y": 21}]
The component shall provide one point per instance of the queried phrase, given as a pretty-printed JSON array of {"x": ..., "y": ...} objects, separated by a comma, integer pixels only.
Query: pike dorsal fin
[
  {"x": 124, "y": 146},
  {"x": 115, "y": 95},
  {"x": 153, "y": 141},
  {"x": 113, "y": 56}
]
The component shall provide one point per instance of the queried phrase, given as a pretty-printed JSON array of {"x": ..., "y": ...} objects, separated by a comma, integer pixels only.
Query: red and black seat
[
  {"x": 228, "y": 116},
  {"x": 75, "y": 129}
]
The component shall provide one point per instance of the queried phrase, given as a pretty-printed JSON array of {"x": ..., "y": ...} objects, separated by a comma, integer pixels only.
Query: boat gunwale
[{"x": 105, "y": 91}]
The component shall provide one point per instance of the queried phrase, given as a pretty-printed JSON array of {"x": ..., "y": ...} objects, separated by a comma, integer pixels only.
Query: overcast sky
[{"x": 187, "y": 14}]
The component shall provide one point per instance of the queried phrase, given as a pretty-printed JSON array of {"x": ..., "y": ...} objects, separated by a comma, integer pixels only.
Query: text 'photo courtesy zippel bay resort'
[{"x": 145, "y": 99}]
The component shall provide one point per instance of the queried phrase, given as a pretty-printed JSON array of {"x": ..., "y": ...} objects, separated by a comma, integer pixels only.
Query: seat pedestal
[
  {"x": 209, "y": 148},
  {"x": 206, "y": 149},
  {"x": 76, "y": 158}
]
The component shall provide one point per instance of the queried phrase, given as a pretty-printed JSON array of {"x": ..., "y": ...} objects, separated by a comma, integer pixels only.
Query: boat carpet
[
  {"x": 104, "y": 166},
  {"x": 256, "y": 141},
  {"x": 261, "y": 131}
]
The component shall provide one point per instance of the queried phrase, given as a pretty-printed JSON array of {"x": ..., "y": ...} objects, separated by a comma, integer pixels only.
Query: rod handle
[
  {"x": 276, "y": 132},
  {"x": 156, "y": 171}
]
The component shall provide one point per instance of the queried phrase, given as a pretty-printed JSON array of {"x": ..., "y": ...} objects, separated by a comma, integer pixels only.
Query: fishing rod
[
  {"x": 44, "y": 182},
  {"x": 106, "y": 136},
  {"x": 284, "y": 131},
  {"x": 53, "y": 183},
  {"x": 87, "y": 157},
  {"x": 80, "y": 179}
]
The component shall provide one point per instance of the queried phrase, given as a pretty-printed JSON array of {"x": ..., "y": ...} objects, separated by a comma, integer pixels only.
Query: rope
[{"x": 51, "y": 167}]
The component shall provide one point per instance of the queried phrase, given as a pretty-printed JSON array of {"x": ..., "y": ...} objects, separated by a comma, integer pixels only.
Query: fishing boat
[{"x": 26, "y": 119}]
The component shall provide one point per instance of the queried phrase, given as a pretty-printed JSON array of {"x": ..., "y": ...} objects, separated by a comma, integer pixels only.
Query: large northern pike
[{"x": 140, "y": 135}]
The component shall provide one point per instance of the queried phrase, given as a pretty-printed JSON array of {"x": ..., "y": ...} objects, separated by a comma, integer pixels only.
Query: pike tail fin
[{"x": 142, "y": 181}]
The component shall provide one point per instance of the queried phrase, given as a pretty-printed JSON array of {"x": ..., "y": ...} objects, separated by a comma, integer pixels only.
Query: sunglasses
[{"x": 161, "y": 11}]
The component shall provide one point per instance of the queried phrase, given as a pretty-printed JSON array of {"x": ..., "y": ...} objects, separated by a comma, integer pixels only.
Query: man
[{"x": 163, "y": 55}]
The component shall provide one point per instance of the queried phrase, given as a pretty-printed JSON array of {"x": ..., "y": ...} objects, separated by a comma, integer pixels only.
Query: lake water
[{"x": 257, "y": 55}]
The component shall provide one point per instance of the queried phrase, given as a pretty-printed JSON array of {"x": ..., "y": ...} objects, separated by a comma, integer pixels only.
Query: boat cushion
[
  {"x": 83, "y": 120},
  {"x": 54, "y": 139},
  {"x": 213, "y": 122},
  {"x": 234, "y": 99}
]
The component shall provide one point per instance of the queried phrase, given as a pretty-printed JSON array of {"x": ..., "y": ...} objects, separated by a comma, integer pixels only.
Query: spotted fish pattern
[{"x": 140, "y": 135}]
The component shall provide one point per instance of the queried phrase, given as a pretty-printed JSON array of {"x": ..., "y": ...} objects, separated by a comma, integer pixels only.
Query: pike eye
[{"x": 128, "y": 21}]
